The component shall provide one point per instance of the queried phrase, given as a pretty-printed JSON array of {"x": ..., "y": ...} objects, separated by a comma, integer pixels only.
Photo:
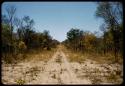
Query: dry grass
[
  {"x": 80, "y": 57},
  {"x": 102, "y": 59},
  {"x": 38, "y": 54},
  {"x": 76, "y": 57},
  {"x": 73, "y": 56},
  {"x": 43, "y": 55}
]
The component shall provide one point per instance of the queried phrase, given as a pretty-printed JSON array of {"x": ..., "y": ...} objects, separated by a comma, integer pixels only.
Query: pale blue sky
[{"x": 58, "y": 17}]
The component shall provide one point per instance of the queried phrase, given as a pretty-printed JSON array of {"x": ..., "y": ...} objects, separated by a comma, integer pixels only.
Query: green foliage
[
  {"x": 74, "y": 34},
  {"x": 79, "y": 40},
  {"x": 74, "y": 37}
]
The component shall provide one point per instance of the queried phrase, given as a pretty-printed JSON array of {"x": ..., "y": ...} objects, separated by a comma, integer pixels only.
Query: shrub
[{"x": 22, "y": 46}]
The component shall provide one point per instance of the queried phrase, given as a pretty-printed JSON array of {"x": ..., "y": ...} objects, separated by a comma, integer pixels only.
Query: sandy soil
[{"x": 58, "y": 70}]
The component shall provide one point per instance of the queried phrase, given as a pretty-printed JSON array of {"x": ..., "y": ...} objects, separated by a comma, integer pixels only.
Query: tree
[
  {"x": 6, "y": 36},
  {"x": 17, "y": 22},
  {"x": 112, "y": 14},
  {"x": 26, "y": 29},
  {"x": 83, "y": 41},
  {"x": 47, "y": 39},
  {"x": 25, "y": 38},
  {"x": 89, "y": 41},
  {"x": 74, "y": 37},
  {"x": 5, "y": 20},
  {"x": 103, "y": 29},
  {"x": 11, "y": 10}
]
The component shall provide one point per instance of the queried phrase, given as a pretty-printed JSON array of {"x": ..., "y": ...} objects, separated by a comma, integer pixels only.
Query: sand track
[{"x": 58, "y": 70}]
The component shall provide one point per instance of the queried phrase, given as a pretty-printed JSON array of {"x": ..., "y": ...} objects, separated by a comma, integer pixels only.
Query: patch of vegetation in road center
[{"x": 59, "y": 59}]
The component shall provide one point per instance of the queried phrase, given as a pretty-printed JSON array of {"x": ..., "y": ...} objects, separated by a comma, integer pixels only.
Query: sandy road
[{"x": 58, "y": 71}]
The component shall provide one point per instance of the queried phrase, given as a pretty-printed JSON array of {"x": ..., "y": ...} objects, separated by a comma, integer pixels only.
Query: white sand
[{"x": 54, "y": 72}]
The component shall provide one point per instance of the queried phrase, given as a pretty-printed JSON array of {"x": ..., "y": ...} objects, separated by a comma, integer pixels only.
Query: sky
[{"x": 58, "y": 17}]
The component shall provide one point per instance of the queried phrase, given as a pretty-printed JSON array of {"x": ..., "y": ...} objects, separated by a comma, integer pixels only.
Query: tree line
[
  {"x": 19, "y": 35},
  {"x": 112, "y": 39}
]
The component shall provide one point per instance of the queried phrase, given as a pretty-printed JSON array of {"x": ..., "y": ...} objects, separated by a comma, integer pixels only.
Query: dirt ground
[{"x": 58, "y": 70}]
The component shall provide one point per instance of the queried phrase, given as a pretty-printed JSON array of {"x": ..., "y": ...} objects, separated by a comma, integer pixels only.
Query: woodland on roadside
[{"x": 19, "y": 35}]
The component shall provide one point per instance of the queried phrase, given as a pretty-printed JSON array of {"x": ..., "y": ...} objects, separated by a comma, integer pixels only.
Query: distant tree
[
  {"x": 73, "y": 37},
  {"x": 89, "y": 41},
  {"x": 55, "y": 43},
  {"x": 47, "y": 39}
]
